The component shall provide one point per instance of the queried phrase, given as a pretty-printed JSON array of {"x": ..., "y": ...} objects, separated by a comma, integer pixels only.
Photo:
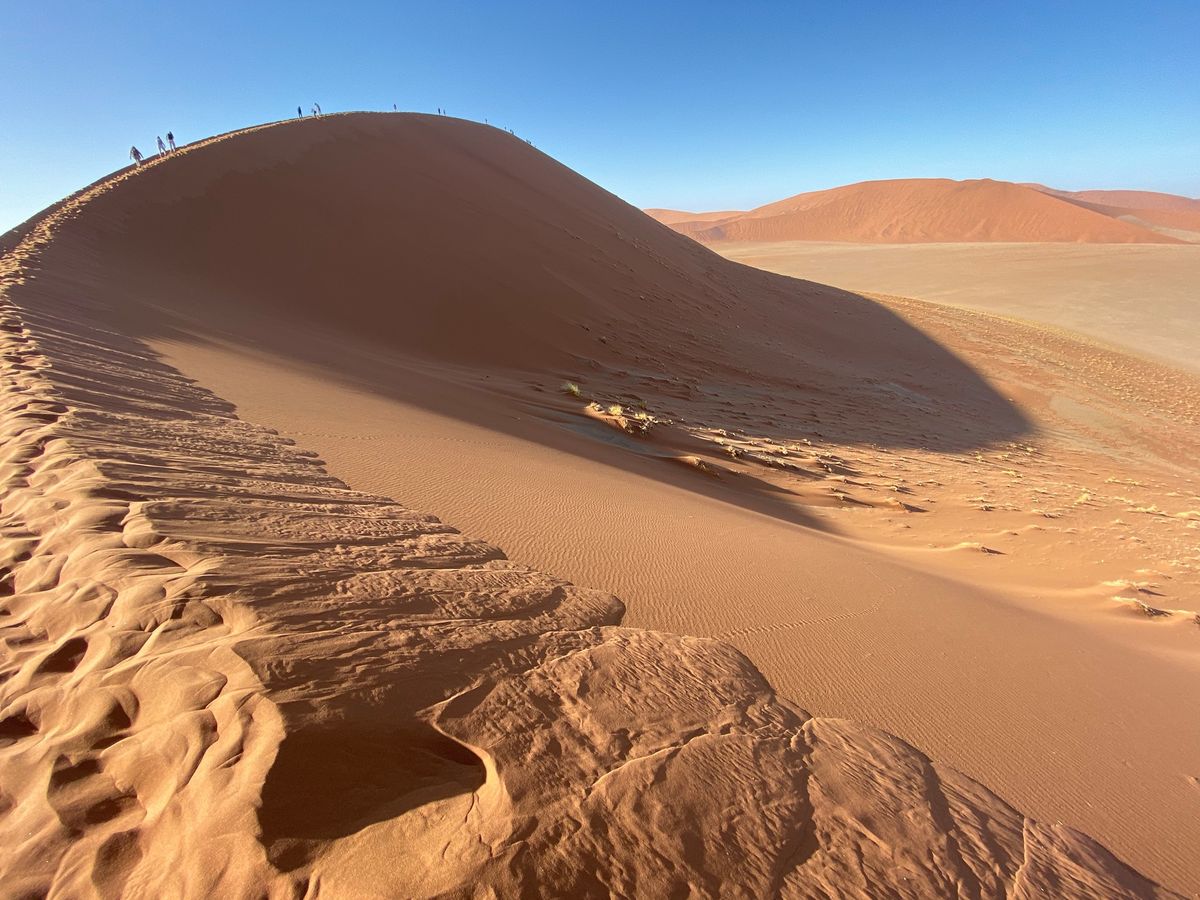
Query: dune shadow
[
  {"x": 865, "y": 375},
  {"x": 328, "y": 782},
  {"x": 938, "y": 402}
]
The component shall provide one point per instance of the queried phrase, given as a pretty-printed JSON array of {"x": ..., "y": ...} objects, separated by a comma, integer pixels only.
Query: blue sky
[{"x": 693, "y": 105}]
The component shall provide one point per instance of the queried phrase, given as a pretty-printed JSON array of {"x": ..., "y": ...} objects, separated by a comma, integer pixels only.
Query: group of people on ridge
[{"x": 169, "y": 147}]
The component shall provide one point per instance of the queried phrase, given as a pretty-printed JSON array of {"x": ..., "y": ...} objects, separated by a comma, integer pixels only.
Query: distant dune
[
  {"x": 928, "y": 210},
  {"x": 228, "y": 672},
  {"x": 1126, "y": 199},
  {"x": 678, "y": 217},
  {"x": 1167, "y": 214}
]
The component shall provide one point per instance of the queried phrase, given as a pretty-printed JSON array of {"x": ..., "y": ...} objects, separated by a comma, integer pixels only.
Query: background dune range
[
  {"x": 922, "y": 210},
  {"x": 1119, "y": 266},
  {"x": 213, "y": 632}
]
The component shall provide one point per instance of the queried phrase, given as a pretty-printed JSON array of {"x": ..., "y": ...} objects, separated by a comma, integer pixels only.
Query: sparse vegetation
[
  {"x": 570, "y": 387},
  {"x": 641, "y": 422},
  {"x": 632, "y": 422}
]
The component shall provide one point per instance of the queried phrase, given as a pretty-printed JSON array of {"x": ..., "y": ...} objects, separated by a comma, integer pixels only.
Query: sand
[
  {"x": 231, "y": 377},
  {"x": 922, "y": 210},
  {"x": 1142, "y": 298},
  {"x": 676, "y": 217}
]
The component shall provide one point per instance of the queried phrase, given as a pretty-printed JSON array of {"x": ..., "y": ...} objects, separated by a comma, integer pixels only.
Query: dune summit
[
  {"x": 925, "y": 210},
  {"x": 228, "y": 673}
]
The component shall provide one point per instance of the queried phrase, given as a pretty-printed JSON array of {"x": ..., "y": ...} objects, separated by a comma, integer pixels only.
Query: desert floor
[{"x": 1140, "y": 296}]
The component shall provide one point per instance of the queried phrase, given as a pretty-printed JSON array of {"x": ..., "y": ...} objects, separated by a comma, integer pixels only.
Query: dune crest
[
  {"x": 226, "y": 673},
  {"x": 925, "y": 210}
]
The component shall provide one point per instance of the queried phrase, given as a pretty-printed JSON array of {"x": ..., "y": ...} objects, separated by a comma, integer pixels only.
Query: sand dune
[
  {"x": 1166, "y": 213},
  {"x": 209, "y": 635},
  {"x": 920, "y": 210},
  {"x": 678, "y": 217},
  {"x": 1126, "y": 199}
]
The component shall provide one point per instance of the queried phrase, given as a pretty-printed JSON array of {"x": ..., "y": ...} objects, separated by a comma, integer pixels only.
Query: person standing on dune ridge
[
  {"x": 162, "y": 148},
  {"x": 136, "y": 155},
  {"x": 171, "y": 140},
  {"x": 299, "y": 113}
]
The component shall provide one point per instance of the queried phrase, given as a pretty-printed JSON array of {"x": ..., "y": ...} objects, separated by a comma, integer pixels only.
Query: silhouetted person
[
  {"x": 317, "y": 108},
  {"x": 136, "y": 155},
  {"x": 171, "y": 140},
  {"x": 162, "y": 148},
  {"x": 299, "y": 113},
  {"x": 394, "y": 108}
]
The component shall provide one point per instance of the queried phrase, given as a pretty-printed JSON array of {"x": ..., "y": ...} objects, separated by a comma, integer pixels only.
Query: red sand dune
[
  {"x": 1126, "y": 199},
  {"x": 918, "y": 210},
  {"x": 226, "y": 673},
  {"x": 1158, "y": 211},
  {"x": 678, "y": 217}
]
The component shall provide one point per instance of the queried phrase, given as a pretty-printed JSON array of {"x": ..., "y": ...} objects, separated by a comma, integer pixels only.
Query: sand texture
[
  {"x": 923, "y": 210},
  {"x": 1143, "y": 298},
  {"x": 229, "y": 672}
]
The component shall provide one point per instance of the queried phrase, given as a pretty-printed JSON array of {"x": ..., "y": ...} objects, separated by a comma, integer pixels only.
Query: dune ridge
[
  {"x": 930, "y": 210},
  {"x": 206, "y": 634},
  {"x": 1166, "y": 213},
  {"x": 1125, "y": 199}
]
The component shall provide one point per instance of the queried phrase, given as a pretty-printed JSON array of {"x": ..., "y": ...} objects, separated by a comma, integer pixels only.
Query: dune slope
[
  {"x": 453, "y": 243},
  {"x": 1166, "y": 213},
  {"x": 920, "y": 210},
  {"x": 226, "y": 673}
]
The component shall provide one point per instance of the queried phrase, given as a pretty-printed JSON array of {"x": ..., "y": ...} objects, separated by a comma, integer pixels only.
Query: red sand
[
  {"x": 229, "y": 673},
  {"x": 917, "y": 210}
]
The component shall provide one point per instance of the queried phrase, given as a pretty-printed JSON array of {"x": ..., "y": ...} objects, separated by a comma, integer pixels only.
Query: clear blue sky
[{"x": 693, "y": 105}]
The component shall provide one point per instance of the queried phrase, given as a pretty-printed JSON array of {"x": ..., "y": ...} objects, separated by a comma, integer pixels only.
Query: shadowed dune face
[{"x": 457, "y": 243}]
